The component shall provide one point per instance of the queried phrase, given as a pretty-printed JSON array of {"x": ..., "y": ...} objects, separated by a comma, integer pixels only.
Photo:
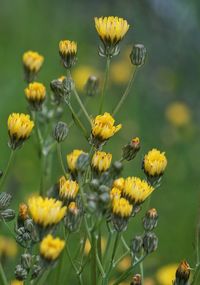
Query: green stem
[
  {"x": 81, "y": 105},
  {"x": 3, "y": 276},
  {"x": 70, "y": 125},
  {"x": 128, "y": 88},
  {"x": 94, "y": 260},
  {"x": 104, "y": 85},
  {"x": 59, "y": 153},
  {"x": 3, "y": 178}
]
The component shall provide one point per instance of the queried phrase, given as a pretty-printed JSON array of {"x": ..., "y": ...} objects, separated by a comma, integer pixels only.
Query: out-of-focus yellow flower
[
  {"x": 68, "y": 51},
  {"x": 150, "y": 281},
  {"x": 101, "y": 161},
  {"x": 81, "y": 74},
  {"x": 178, "y": 114},
  {"x": 35, "y": 93},
  {"x": 72, "y": 158},
  {"x": 68, "y": 188},
  {"x": 120, "y": 72},
  {"x": 166, "y": 274},
  {"x": 19, "y": 128},
  {"x": 154, "y": 163},
  {"x": 88, "y": 246},
  {"x": 46, "y": 211},
  {"x": 115, "y": 193},
  {"x": 8, "y": 247},
  {"x": 124, "y": 264},
  {"x": 103, "y": 127},
  {"x": 119, "y": 183},
  {"x": 136, "y": 190},
  {"x": 32, "y": 61},
  {"x": 121, "y": 207},
  {"x": 111, "y": 29},
  {"x": 16, "y": 282},
  {"x": 50, "y": 247},
  {"x": 23, "y": 211}
]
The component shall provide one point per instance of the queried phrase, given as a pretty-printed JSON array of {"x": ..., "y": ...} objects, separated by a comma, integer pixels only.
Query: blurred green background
[{"x": 170, "y": 32}]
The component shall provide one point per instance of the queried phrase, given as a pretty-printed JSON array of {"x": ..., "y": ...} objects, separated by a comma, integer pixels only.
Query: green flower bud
[
  {"x": 130, "y": 150},
  {"x": 26, "y": 260},
  {"x": 56, "y": 86},
  {"x": 94, "y": 184},
  {"x": 150, "y": 242},
  {"x": 136, "y": 245},
  {"x": 82, "y": 162},
  {"x": 5, "y": 200},
  {"x": 20, "y": 272},
  {"x": 92, "y": 86},
  {"x": 7, "y": 215},
  {"x": 150, "y": 220},
  {"x": 60, "y": 132},
  {"x": 68, "y": 86},
  {"x": 138, "y": 55},
  {"x": 182, "y": 274}
]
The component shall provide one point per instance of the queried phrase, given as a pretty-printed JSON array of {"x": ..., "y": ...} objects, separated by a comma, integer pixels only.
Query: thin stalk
[
  {"x": 126, "y": 92},
  {"x": 94, "y": 261},
  {"x": 59, "y": 153},
  {"x": 71, "y": 123},
  {"x": 120, "y": 258},
  {"x": 104, "y": 85},
  {"x": 3, "y": 276},
  {"x": 81, "y": 105},
  {"x": 3, "y": 178},
  {"x": 44, "y": 277}
]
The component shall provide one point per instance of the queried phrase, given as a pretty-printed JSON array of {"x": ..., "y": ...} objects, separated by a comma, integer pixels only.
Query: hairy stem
[{"x": 104, "y": 85}]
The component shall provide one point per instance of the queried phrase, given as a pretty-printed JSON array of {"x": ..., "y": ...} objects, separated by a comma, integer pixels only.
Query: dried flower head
[
  {"x": 101, "y": 161},
  {"x": 154, "y": 163},
  {"x": 46, "y": 211},
  {"x": 68, "y": 189},
  {"x": 51, "y": 248},
  {"x": 68, "y": 52},
  {"x": 35, "y": 94},
  {"x": 72, "y": 159}
]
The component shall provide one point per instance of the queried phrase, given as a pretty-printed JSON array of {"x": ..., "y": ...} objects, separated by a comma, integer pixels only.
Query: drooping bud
[
  {"x": 138, "y": 55},
  {"x": 5, "y": 200},
  {"x": 92, "y": 86},
  {"x": 150, "y": 242},
  {"x": 136, "y": 245},
  {"x": 130, "y": 150},
  {"x": 26, "y": 260},
  {"x": 182, "y": 274},
  {"x": 137, "y": 280},
  {"x": 150, "y": 219},
  {"x": 60, "y": 132}
]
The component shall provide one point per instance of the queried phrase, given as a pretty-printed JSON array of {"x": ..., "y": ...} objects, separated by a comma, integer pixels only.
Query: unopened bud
[
  {"x": 94, "y": 184},
  {"x": 82, "y": 162},
  {"x": 20, "y": 272},
  {"x": 137, "y": 280},
  {"x": 23, "y": 212},
  {"x": 26, "y": 260},
  {"x": 150, "y": 220},
  {"x": 7, "y": 215},
  {"x": 130, "y": 150},
  {"x": 150, "y": 242},
  {"x": 138, "y": 55},
  {"x": 60, "y": 132},
  {"x": 73, "y": 218},
  {"x": 182, "y": 274},
  {"x": 57, "y": 89},
  {"x": 92, "y": 86},
  {"x": 5, "y": 200},
  {"x": 136, "y": 245}
]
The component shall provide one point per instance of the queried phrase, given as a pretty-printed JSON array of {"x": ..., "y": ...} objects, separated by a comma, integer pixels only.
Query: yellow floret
[
  {"x": 50, "y": 247},
  {"x": 154, "y": 163}
]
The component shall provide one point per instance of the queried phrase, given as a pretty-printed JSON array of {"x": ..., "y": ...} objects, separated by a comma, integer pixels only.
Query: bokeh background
[{"x": 162, "y": 109}]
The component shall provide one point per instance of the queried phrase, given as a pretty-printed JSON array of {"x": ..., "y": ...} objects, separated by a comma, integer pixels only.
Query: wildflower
[
  {"x": 130, "y": 150},
  {"x": 68, "y": 189},
  {"x": 51, "y": 248},
  {"x": 119, "y": 183},
  {"x": 154, "y": 163},
  {"x": 23, "y": 212},
  {"x": 115, "y": 193},
  {"x": 111, "y": 31},
  {"x": 138, "y": 55},
  {"x": 32, "y": 62},
  {"x": 136, "y": 190},
  {"x": 150, "y": 242},
  {"x": 56, "y": 86},
  {"x": 120, "y": 72},
  {"x": 166, "y": 274},
  {"x": 35, "y": 94},
  {"x": 150, "y": 220},
  {"x": 182, "y": 273},
  {"x": 136, "y": 245},
  {"x": 124, "y": 264},
  {"x": 46, "y": 211},
  {"x": 103, "y": 127},
  {"x": 101, "y": 161},
  {"x": 16, "y": 282},
  {"x": 178, "y": 114},
  {"x": 68, "y": 52},
  {"x": 60, "y": 132},
  {"x": 8, "y": 247},
  {"x": 121, "y": 211},
  {"x": 19, "y": 129},
  {"x": 72, "y": 159}
]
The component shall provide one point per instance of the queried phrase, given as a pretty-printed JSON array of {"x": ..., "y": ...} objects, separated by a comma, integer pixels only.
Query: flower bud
[
  {"x": 7, "y": 215},
  {"x": 68, "y": 53},
  {"x": 137, "y": 280},
  {"x": 116, "y": 169},
  {"x": 73, "y": 218},
  {"x": 138, "y": 55},
  {"x": 82, "y": 162},
  {"x": 150, "y": 242},
  {"x": 92, "y": 86},
  {"x": 26, "y": 260},
  {"x": 130, "y": 150},
  {"x": 182, "y": 274},
  {"x": 56, "y": 86},
  {"x": 20, "y": 272},
  {"x": 150, "y": 220},
  {"x": 136, "y": 245},
  {"x": 94, "y": 184},
  {"x": 5, "y": 200},
  {"x": 36, "y": 271},
  {"x": 60, "y": 132},
  {"x": 23, "y": 212}
]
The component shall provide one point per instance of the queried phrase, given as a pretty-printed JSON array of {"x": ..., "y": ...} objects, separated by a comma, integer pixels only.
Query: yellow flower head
[
  {"x": 103, "y": 127},
  {"x": 101, "y": 161},
  {"x": 111, "y": 30},
  {"x": 115, "y": 193},
  {"x": 68, "y": 189},
  {"x": 16, "y": 282},
  {"x": 50, "y": 247},
  {"x": 178, "y": 114},
  {"x": 121, "y": 207},
  {"x": 46, "y": 211},
  {"x": 8, "y": 247},
  {"x": 136, "y": 190},
  {"x": 154, "y": 163},
  {"x": 19, "y": 128},
  {"x": 68, "y": 51},
  {"x": 32, "y": 61},
  {"x": 119, "y": 183},
  {"x": 120, "y": 72},
  {"x": 166, "y": 274},
  {"x": 35, "y": 93},
  {"x": 23, "y": 211},
  {"x": 124, "y": 264},
  {"x": 72, "y": 159}
]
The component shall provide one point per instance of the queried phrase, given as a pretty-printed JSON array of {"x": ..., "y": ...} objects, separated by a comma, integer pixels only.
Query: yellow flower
[
  {"x": 120, "y": 72},
  {"x": 35, "y": 94},
  {"x": 16, "y": 282},
  {"x": 72, "y": 158},
  {"x": 178, "y": 114},
  {"x": 19, "y": 128},
  {"x": 50, "y": 247},
  {"x": 81, "y": 74},
  {"x": 115, "y": 193},
  {"x": 68, "y": 188},
  {"x": 136, "y": 190},
  {"x": 103, "y": 127},
  {"x": 154, "y": 163},
  {"x": 68, "y": 51},
  {"x": 32, "y": 61},
  {"x": 166, "y": 274},
  {"x": 124, "y": 264},
  {"x": 46, "y": 211},
  {"x": 8, "y": 247},
  {"x": 121, "y": 207},
  {"x": 101, "y": 161},
  {"x": 119, "y": 183},
  {"x": 111, "y": 30}
]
